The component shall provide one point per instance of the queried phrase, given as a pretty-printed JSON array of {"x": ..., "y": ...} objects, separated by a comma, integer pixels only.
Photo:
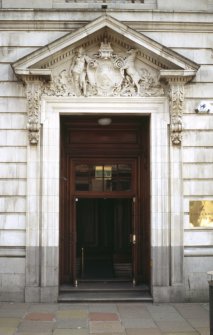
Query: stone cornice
[
  {"x": 72, "y": 25},
  {"x": 143, "y": 20}
]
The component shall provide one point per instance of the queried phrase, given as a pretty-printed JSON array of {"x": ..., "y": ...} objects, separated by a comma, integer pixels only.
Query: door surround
[{"x": 42, "y": 248}]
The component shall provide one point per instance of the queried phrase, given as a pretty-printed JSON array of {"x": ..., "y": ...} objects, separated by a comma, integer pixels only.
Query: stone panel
[
  {"x": 13, "y": 155},
  {"x": 182, "y": 5},
  {"x": 198, "y": 138},
  {"x": 13, "y": 121},
  {"x": 26, "y": 4},
  {"x": 12, "y": 89},
  {"x": 175, "y": 39},
  {"x": 12, "y": 204},
  {"x": 12, "y": 221},
  {"x": 196, "y": 279},
  {"x": 13, "y": 105},
  {"x": 199, "y": 55},
  {"x": 196, "y": 155},
  {"x": 197, "y": 171},
  {"x": 12, "y": 170},
  {"x": 12, "y": 265},
  {"x": 13, "y": 187},
  {"x": 28, "y": 39},
  {"x": 199, "y": 90},
  {"x": 204, "y": 74},
  {"x": 9, "y": 137},
  {"x": 12, "y": 238},
  {"x": 200, "y": 188},
  {"x": 198, "y": 121},
  {"x": 198, "y": 237},
  {"x": 12, "y": 54},
  {"x": 13, "y": 282},
  {"x": 6, "y": 72}
]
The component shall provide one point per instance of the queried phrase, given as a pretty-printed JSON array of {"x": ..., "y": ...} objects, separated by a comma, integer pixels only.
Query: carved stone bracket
[
  {"x": 176, "y": 103},
  {"x": 33, "y": 91}
]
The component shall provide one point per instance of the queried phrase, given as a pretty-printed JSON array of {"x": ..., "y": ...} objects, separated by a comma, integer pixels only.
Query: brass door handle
[{"x": 133, "y": 239}]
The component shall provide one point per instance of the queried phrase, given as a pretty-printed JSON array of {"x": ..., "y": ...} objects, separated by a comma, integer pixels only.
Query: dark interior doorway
[{"x": 104, "y": 249}]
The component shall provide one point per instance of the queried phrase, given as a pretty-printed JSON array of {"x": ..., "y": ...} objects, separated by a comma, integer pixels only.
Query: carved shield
[{"x": 108, "y": 77}]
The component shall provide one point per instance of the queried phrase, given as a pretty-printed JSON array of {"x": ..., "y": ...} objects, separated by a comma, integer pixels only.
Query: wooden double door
[{"x": 104, "y": 200}]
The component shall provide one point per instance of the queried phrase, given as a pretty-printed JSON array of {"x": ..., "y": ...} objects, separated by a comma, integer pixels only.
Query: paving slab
[
  {"x": 144, "y": 331},
  {"x": 7, "y": 330},
  {"x": 36, "y": 326},
  {"x": 33, "y": 332},
  {"x": 199, "y": 323},
  {"x": 203, "y": 331},
  {"x": 139, "y": 323},
  {"x": 49, "y": 308},
  {"x": 9, "y": 322},
  {"x": 174, "y": 326},
  {"x": 66, "y": 306},
  {"x": 126, "y": 312},
  {"x": 70, "y": 332},
  {"x": 192, "y": 311},
  {"x": 73, "y": 323},
  {"x": 101, "y": 316},
  {"x": 105, "y": 327},
  {"x": 71, "y": 314},
  {"x": 39, "y": 316},
  {"x": 100, "y": 307}
]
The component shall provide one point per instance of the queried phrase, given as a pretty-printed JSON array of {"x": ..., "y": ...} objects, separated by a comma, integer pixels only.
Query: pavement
[{"x": 104, "y": 319}]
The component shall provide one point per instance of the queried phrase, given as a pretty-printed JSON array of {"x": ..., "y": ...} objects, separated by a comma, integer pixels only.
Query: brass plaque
[{"x": 201, "y": 213}]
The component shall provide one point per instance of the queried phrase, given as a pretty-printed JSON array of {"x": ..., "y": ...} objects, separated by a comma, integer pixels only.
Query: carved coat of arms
[{"x": 104, "y": 74}]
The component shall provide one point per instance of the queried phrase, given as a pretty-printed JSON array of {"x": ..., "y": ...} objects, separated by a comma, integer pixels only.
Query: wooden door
[{"x": 125, "y": 143}]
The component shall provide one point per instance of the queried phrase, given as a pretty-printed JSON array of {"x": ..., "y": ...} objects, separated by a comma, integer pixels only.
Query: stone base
[
  {"x": 168, "y": 293},
  {"x": 49, "y": 294},
  {"x": 41, "y": 294},
  {"x": 16, "y": 296},
  {"x": 32, "y": 294}
]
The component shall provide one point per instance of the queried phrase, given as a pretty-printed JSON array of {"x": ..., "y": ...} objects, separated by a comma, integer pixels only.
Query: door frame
[{"x": 42, "y": 229}]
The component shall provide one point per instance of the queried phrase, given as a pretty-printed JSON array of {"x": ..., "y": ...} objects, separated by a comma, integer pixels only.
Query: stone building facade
[{"x": 65, "y": 65}]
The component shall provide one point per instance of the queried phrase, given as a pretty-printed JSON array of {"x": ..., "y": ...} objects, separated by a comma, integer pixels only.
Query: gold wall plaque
[{"x": 201, "y": 213}]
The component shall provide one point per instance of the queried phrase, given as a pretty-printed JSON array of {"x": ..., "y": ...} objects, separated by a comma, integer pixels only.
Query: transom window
[{"x": 103, "y": 177}]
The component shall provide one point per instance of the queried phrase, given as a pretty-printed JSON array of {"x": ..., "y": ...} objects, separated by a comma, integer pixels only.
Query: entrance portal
[
  {"x": 104, "y": 249},
  {"x": 104, "y": 202}
]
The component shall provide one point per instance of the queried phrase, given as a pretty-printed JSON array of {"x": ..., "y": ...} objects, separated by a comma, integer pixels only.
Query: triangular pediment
[{"x": 152, "y": 60}]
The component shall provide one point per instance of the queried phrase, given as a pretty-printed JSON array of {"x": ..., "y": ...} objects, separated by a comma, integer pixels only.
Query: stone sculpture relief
[{"x": 104, "y": 74}]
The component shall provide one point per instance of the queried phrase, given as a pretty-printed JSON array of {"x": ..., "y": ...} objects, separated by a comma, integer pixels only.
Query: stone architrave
[{"x": 33, "y": 92}]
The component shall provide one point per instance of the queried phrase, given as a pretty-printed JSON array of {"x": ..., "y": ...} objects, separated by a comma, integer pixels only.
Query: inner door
[{"x": 104, "y": 246}]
